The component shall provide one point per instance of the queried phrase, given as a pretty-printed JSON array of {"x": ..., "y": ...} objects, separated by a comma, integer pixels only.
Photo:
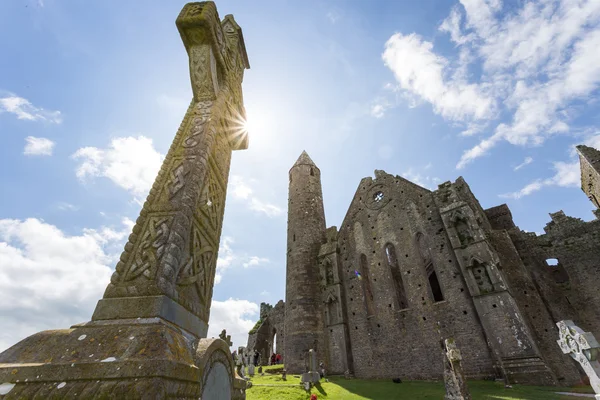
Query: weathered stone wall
[
  {"x": 271, "y": 329},
  {"x": 571, "y": 287},
  {"x": 409, "y": 267},
  {"x": 589, "y": 159},
  {"x": 335, "y": 317},
  {"x": 306, "y": 233},
  {"x": 405, "y": 338},
  {"x": 533, "y": 309}
]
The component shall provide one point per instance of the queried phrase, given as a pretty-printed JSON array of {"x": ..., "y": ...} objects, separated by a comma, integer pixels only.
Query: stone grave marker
[
  {"x": 583, "y": 348},
  {"x": 147, "y": 335},
  {"x": 454, "y": 378},
  {"x": 312, "y": 375}
]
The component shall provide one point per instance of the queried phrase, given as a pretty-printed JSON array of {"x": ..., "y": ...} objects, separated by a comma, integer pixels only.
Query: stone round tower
[{"x": 306, "y": 233}]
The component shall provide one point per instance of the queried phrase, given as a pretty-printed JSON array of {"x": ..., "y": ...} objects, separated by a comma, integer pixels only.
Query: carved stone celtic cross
[
  {"x": 583, "y": 348},
  {"x": 168, "y": 266}
]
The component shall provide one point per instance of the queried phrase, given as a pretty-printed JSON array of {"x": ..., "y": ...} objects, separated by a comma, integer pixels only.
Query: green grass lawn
[{"x": 358, "y": 389}]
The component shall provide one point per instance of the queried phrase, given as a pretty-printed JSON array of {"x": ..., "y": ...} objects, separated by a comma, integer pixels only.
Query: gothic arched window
[
  {"x": 366, "y": 285},
  {"x": 392, "y": 261},
  {"x": 434, "y": 283}
]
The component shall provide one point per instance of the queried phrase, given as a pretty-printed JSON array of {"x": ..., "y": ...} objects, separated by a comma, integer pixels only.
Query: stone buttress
[{"x": 508, "y": 334}]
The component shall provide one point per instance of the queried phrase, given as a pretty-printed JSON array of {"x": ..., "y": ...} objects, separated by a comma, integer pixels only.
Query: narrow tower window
[
  {"x": 312, "y": 172},
  {"x": 366, "y": 285},
  {"x": 392, "y": 262},
  {"x": 434, "y": 283}
]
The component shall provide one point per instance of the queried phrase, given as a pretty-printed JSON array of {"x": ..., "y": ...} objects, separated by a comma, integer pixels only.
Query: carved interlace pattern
[
  {"x": 173, "y": 247},
  {"x": 583, "y": 348},
  {"x": 150, "y": 249}
]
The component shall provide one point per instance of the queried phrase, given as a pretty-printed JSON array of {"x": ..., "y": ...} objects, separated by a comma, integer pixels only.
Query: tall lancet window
[
  {"x": 434, "y": 283},
  {"x": 366, "y": 285},
  {"x": 392, "y": 261}
]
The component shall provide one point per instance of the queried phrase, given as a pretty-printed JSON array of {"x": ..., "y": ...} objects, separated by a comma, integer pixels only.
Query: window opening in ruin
[
  {"x": 312, "y": 172},
  {"x": 366, "y": 285},
  {"x": 274, "y": 342},
  {"x": 378, "y": 196},
  {"x": 434, "y": 283},
  {"x": 392, "y": 261},
  {"x": 294, "y": 238},
  {"x": 559, "y": 273}
]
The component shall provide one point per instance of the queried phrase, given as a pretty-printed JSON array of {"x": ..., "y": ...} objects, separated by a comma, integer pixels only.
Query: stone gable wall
[{"x": 406, "y": 341}]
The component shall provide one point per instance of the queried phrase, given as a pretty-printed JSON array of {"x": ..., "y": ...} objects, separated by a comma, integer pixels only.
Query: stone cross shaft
[
  {"x": 583, "y": 348},
  {"x": 454, "y": 377},
  {"x": 167, "y": 269}
]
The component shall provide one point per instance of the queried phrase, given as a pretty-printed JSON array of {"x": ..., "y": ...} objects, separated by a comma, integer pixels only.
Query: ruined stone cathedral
[{"x": 409, "y": 267}]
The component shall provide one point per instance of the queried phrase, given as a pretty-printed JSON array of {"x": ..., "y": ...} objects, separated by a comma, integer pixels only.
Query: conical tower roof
[{"x": 304, "y": 159}]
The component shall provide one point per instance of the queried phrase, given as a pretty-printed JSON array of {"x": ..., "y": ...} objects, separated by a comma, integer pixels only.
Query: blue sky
[{"x": 92, "y": 93}]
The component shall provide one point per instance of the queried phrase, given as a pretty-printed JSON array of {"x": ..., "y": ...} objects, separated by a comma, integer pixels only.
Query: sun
[{"x": 255, "y": 124}]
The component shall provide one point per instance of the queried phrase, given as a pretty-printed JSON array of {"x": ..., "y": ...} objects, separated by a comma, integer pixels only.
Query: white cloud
[
  {"x": 526, "y": 161},
  {"x": 241, "y": 190},
  {"x": 23, "y": 109},
  {"x": 593, "y": 141},
  {"x": 35, "y": 146},
  {"x": 64, "y": 206},
  {"x": 379, "y": 107},
  {"x": 567, "y": 175},
  {"x": 533, "y": 63},
  {"x": 228, "y": 258},
  {"x": 131, "y": 163},
  {"x": 426, "y": 181},
  {"x": 234, "y": 315},
  {"x": 421, "y": 72},
  {"x": 49, "y": 279},
  {"x": 255, "y": 261},
  {"x": 451, "y": 25},
  {"x": 333, "y": 16}
]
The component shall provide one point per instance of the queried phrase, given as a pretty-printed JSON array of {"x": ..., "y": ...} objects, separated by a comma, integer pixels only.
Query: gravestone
[
  {"x": 454, "y": 378},
  {"x": 312, "y": 375},
  {"x": 583, "y": 348},
  {"x": 227, "y": 338},
  {"x": 239, "y": 362},
  {"x": 147, "y": 337}
]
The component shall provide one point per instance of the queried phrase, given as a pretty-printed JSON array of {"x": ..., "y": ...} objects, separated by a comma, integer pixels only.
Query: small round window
[{"x": 378, "y": 196}]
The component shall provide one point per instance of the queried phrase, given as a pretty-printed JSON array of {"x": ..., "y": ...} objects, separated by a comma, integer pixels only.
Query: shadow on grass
[{"x": 320, "y": 389}]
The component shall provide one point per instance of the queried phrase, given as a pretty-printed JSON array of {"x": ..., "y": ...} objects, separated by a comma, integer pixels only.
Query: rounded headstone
[{"x": 218, "y": 383}]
